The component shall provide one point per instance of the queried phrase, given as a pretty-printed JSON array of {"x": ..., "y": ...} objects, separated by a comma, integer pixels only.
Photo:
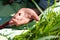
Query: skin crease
[{"x": 23, "y": 16}]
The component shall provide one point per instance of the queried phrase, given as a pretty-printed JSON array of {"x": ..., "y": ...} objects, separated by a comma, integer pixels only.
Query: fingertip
[
  {"x": 14, "y": 20},
  {"x": 11, "y": 21},
  {"x": 37, "y": 19},
  {"x": 11, "y": 24}
]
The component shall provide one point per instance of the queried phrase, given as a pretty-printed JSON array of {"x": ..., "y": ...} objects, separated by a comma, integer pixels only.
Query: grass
[{"x": 48, "y": 28}]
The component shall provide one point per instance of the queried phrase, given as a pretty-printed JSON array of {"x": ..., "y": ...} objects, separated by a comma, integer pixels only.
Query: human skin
[{"x": 23, "y": 16}]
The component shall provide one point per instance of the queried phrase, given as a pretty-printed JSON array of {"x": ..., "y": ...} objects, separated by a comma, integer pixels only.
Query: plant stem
[{"x": 37, "y": 6}]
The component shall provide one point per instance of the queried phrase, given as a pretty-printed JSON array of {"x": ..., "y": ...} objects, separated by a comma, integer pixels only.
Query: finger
[
  {"x": 33, "y": 14},
  {"x": 20, "y": 22},
  {"x": 24, "y": 21},
  {"x": 36, "y": 17},
  {"x": 11, "y": 23},
  {"x": 16, "y": 22}
]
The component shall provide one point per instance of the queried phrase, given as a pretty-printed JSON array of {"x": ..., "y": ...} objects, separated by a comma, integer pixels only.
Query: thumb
[
  {"x": 33, "y": 14},
  {"x": 35, "y": 17}
]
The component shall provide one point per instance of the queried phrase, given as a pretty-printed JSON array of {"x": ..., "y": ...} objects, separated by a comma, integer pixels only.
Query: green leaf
[{"x": 48, "y": 37}]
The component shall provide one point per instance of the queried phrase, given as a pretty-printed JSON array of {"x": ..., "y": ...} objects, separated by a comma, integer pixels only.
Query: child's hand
[{"x": 23, "y": 16}]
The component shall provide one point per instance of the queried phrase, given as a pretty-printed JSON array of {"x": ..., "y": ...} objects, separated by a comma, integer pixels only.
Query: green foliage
[{"x": 48, "y": 28}]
